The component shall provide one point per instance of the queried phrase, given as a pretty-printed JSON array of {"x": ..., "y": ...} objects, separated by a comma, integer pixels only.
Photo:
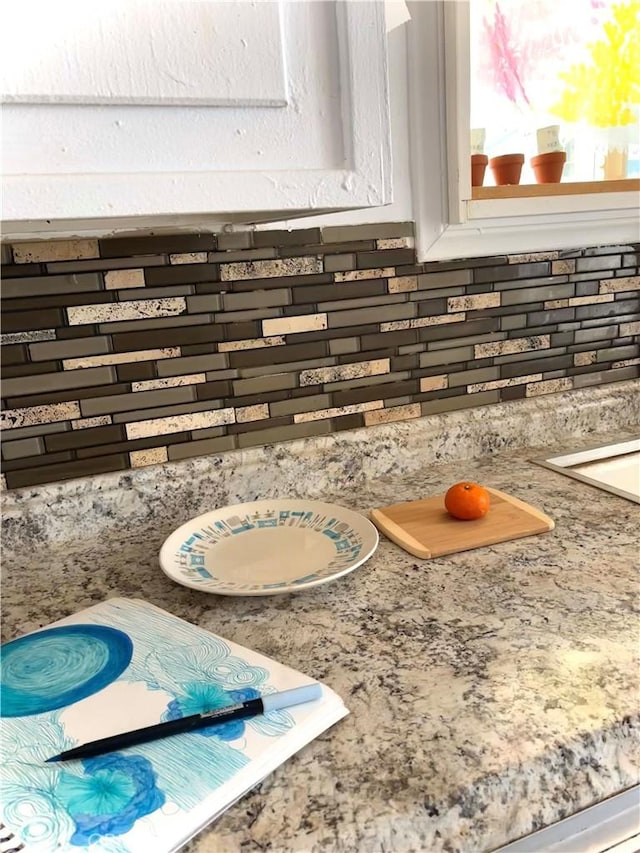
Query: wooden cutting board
[{"x": 425, "y": 529}]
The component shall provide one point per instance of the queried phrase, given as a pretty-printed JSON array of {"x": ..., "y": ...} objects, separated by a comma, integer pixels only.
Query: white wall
[{"x": 402, "y": 208}]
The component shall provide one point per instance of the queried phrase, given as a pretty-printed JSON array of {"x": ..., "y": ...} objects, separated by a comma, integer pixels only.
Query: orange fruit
[{"x": 467, "y": 501}]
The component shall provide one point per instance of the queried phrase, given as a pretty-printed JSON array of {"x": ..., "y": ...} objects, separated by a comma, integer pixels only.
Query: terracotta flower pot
[
  {"x": 548, "y": 167},
  {"x": 478, "y": 167},
  {"x": 507, "y": 168}
]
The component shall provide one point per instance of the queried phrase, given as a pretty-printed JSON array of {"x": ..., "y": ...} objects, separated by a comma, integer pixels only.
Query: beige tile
[
  {"x": 421, "y": 322},
  {"x": 532, "y": 257},
  {"x": 549, "y": 386},
  {"x": 593, "y": 299},
  {"x": 434, "y": 383},
  {"x": 89, "y": 423},
  {"x": 535, "y": 342},
  {"x": 336, "y": 412},
  {"x": 151, "y": 456},
  {"x": 11, "y": 418},
  {"x": 563, "y": 267},
  {"x": 169, "y": 382},
  {"x": 581, "y": 359},
  {"x": 57, "y": 250},
  {"x": 627, "y": 329},
  {"x": 270, "y": 269},
  {"x": 137, "y": 310},
  {"x": 3, "y": 482},
  {"x": 291, "y": 325},
  {"x": 403, "y": 284},
  {"x": 246, "y": 414},
  {"x": 556, "y": 303},
  {"x": 503, "y": 383},
  {"x": 345, "y": 371},
  {"x": 180, "y": 423},
  {"x": 189, "y": 258},
  {"x": 121, "y": 358},
  {"x": 625, "y": 362},
  {"x": 363, "y": 275},
  {"x": 473, "y": 303},
  {"x": 121, "y": 279},
  {"x": 398, "y": 413},
  {"x": 619, "y": 285},
  {"x": 395, "y": 243}
]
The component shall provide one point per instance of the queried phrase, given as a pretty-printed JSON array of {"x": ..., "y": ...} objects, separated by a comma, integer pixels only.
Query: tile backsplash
[{"x": 132, "y": 351}]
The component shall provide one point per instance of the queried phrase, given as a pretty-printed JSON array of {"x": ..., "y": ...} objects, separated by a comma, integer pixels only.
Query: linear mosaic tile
[{"x": 131, "y": 351}]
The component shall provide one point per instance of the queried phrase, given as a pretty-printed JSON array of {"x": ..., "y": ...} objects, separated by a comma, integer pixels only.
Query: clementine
[{"x": 467, "y": 501}]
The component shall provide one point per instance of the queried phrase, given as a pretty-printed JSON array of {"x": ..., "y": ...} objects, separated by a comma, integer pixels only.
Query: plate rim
[{"x": 367, "y": 524}]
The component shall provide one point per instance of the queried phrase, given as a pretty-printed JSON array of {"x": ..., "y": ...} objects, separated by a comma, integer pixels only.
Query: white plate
[{"x": 268, "y": 547}]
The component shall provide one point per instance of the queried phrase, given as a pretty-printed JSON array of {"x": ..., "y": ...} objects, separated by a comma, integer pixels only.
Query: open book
[{"x": 115, "y": 667}]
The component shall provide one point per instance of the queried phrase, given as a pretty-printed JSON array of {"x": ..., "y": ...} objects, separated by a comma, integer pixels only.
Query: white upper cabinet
[{"x": 149, "y": 112}]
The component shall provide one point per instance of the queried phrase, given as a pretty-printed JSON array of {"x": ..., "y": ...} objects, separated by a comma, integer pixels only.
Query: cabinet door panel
[
  {"x": 325, "y": 147},
  {"x": 145, "y": 52}
]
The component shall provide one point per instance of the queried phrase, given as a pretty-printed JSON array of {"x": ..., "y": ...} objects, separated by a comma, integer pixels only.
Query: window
[
  {"x": 451, "y": 221},
  {"x": 539, "y": 82}
]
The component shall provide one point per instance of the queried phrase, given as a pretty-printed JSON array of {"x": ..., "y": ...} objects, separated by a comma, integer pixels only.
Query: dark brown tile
[
  {"x": 385, "y": 258},
  {"x": 199, "y": 349},
  {"x": 67, "y": 333},
  {"x": 535, "y": 365},
  {"x": 339, "y": 290},
  {"x": 35, "y": 461},
  {"x": 84, "y": 438},
  {"x": 277, "y": 355},
  {"x": 51, "y": 285},
  {"x": 555, "y": 315},
  {"x": 29, "y": 369},
  {"x": 14, "y": 354},
  {"x": 390, "y": 340},
  {"x": 214, "y": 390},
  {"x": 259, "y": 398},
  {"x": 432, "y": 307},
  {"x": 106, "y": 264},
  {"x": 128, "y": 446},
  {"x": 117, "y": 247},
  {"x": 23, "y": 321},
  {"x": 465, "y": 263},
  {"x": 248, "y": 330},
  {"x": 61, "y": 300},
  {"x": 131, "y": 341},
  {"x": 404, "y": 362},
  {"x": 347, "y": 422},
  {"x": 254, "y": 426},
  {"x": 328, "y": 249},
  {"x": 20, "y": 270},
  {"x": 332, "y": 334},
  {"x": 506, "y": 272},
  {"x": 382, "y": 391},
  {"x": 66, "y": 471},
  {"x": 300, "y": 237},
  {"x": 181, "y": 274},
  {"x": 607, "y": 309},
  {"x": 63, "y": 396},
  {"x": 136, "y": 371},
  {"x": 513, "y": 392},
  {"x": 373, "y": 231}
]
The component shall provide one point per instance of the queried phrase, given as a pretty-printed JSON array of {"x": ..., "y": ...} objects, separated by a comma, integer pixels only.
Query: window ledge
[{"x": 546, "y": 190}]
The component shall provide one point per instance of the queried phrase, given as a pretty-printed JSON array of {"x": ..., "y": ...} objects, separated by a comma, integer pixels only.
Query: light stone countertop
[{"x": 491, "y": 692}]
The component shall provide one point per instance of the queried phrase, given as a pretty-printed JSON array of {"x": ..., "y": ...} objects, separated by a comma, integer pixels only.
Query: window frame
[{"x": 449, "y": 223}]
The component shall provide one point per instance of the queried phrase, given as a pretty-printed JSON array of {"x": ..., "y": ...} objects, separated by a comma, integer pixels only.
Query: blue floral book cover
[{"x": 115, "y": 667}]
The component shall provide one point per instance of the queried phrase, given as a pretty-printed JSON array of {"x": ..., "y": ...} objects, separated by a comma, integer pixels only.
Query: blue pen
[{"x": 250, "y": 708}]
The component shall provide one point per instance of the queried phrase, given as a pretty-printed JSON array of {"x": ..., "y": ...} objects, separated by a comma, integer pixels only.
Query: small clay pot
[
  {"x": 507, "y": 168},
  {"x": 548, "y": 167},
  {"x": 478, "y": 168}
]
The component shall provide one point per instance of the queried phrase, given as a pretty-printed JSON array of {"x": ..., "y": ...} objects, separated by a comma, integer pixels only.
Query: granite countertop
[{"x": 491, "y": 692}]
